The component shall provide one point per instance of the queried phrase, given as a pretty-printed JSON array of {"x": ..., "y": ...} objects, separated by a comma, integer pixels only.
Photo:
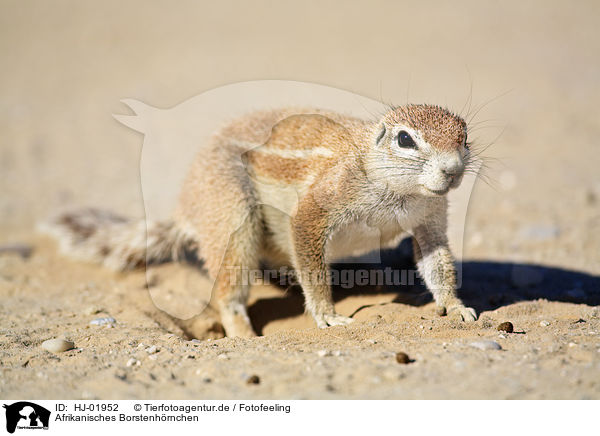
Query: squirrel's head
[{"x": 418, "y": 149}]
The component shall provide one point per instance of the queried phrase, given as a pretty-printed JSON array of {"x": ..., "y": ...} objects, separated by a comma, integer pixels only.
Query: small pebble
[
  {"x": 103, "y": 321},
  {"x": 486, "y": 345},
  {"x": 323, "y": 353},
  {"x": 92, "y": 310},
  {"x": 506, "y": 327},
  {"x": 133, "y": 362},
  {"x": 151, "y": 350},
  {"x": 57, "y": 345},
  {"x": 253, "y": 380},
  {"x": 544, "y": 323},
  {"x": 402, "y": 358},
  {"x": 205, "y": 378}
]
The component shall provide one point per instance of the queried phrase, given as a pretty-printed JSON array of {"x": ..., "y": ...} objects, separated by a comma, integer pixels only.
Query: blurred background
[{"x": 533, "y": 66}]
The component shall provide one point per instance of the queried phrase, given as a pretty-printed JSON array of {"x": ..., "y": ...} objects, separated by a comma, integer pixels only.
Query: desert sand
[{"x": 531, "y": 238}]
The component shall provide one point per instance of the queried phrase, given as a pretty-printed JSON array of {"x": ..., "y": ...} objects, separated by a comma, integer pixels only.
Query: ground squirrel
[{"x": 302, "y": 198}]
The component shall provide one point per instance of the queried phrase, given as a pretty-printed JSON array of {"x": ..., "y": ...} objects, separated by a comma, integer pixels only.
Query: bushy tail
[{"x": 116, "y": 242}]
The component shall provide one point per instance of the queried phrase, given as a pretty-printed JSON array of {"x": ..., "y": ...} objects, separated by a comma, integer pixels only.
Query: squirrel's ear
[
  {"x": 381, "y": 134},
  {"x": 142, "y": 117}
]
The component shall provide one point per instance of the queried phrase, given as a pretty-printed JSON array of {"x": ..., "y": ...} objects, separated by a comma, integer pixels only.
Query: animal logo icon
[{"x": 26, "y": 415}]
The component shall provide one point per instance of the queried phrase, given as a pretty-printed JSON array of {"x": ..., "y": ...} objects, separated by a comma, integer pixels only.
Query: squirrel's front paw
[
  {"x": 332, "y": 319},
  {"x": 467, "y": 314}
]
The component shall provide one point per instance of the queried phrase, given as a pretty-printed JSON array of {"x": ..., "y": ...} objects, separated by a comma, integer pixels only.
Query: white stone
[
  {"x": 57, "y": 345},
  {"x": 133, "y": 362},
  {"x": 486, "y": 345}
]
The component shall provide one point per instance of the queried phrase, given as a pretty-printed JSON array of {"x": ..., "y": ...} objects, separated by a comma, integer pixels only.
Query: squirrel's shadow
[{"x": 485, "y": 285}]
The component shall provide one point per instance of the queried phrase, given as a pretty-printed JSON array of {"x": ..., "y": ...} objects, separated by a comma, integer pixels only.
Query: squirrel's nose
[{"x": 454, "y": 171}]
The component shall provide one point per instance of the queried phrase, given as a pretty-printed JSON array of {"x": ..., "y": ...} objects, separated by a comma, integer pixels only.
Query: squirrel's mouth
[{"x": 437, "y": 191}]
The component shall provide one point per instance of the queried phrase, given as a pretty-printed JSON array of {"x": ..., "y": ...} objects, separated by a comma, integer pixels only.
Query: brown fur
[
  {"x": 440, "y": 127},
  {"x": 294, "y": 186}
]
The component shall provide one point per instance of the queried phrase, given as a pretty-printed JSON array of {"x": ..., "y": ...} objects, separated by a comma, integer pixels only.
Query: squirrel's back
[{"x": 288, "y": 143}]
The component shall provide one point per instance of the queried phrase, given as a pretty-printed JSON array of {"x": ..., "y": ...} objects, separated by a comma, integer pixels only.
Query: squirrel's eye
[{"x": 405, "y": 140}]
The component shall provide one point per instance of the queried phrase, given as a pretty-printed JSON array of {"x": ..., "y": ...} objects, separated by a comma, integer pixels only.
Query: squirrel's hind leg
[
  {"x": 233, "y": 281},
  {"x": 231, "y": 259},
  {"x": 219, "y": 204}
]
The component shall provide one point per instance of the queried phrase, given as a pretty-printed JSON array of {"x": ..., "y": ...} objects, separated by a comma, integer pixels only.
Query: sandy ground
[{"x": 531, "y": 250}]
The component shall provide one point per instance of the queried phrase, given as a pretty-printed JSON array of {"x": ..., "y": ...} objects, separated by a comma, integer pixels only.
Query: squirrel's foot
[
  {"x": 237, "y": 323},
  {"x": 240, "y": 330},
  {"x": 332, "y": 319},
  {"x": 467, "y": 314}
]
